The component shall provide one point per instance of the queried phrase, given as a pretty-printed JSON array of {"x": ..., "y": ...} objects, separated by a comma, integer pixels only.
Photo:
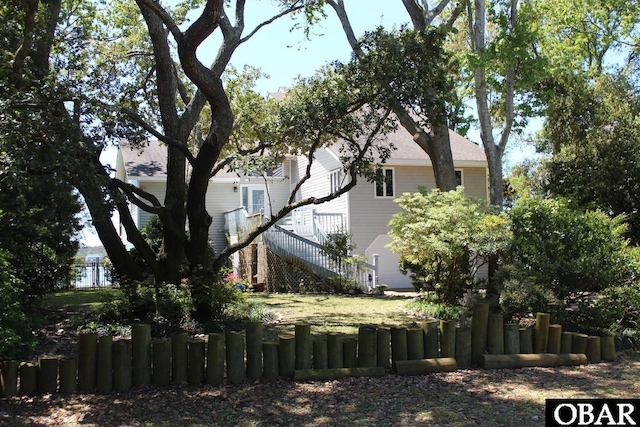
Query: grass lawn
[
  {"x": 80, "y": 299},
  {"x": 332, "y": 313},
  {"x": 326, "y": 313}
]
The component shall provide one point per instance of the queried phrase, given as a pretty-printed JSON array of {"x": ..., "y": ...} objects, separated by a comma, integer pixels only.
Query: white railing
[
  {"x": 291, "y": 245},
  {"x": 239, "y": 221}
]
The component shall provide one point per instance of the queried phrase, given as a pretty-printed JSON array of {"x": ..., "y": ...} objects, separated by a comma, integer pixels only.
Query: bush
[
  {"x": 429, "y": 306},
  {"x": 569, "y": 251},
  {"x": 521, "y": 294},
  {"x": 16, "y": 326},
  {"x": 437, "y": 233}
]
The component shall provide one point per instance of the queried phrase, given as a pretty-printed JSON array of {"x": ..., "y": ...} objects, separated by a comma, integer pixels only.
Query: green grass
[
  {"x": 325, "y": 313},
  {"x": 332, "y": 313},
  {"x": 80, "y": 299}
]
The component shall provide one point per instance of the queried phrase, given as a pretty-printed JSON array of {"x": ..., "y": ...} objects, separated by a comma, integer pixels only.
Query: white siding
[
  {"x": 318, "y": 185},
  {"x": 222, "y": 198},
  {"x": 158, "y": 189},
  {"x": 369, "y": 216}
]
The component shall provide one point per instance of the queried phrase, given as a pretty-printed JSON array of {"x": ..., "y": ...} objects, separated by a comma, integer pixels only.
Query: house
[
  {"x": 364, "y": 211},
  {"x": 368, "y": 207}
]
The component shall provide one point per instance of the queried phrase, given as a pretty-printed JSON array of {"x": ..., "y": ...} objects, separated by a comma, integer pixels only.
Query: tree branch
[{"x": 135, "y": 194}]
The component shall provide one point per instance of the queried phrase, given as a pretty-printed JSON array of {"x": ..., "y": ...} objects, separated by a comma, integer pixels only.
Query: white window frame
[
  {"x": 461, "y": 177},
  {"x": 384, "y": 185},
  {"x": 335, "y": 180}
]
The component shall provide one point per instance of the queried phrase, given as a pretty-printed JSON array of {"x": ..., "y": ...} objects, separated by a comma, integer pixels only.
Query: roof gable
[
  {"x": 407, "y": 150},
  {"x": 147, "y": 161}
]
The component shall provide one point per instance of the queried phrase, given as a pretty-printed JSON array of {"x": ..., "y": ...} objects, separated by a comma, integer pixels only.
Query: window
[
  {"x": 459, "y": 177},
  {"x": 384, "y": 187},
  {"x": 335, "y": 180}
]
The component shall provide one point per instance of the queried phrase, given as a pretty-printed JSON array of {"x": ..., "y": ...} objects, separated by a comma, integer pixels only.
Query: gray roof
[
  {"x": 148, "y": 160},
  {"x": 406, "y": 149}
]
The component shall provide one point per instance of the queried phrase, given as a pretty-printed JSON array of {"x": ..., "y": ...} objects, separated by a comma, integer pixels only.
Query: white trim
[{"x": 384, "y": 188}]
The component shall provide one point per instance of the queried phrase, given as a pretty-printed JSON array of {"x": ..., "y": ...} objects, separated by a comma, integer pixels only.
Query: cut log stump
[
  {"x": 425, "y": 366},
  {"x": 543, "y": 360}
]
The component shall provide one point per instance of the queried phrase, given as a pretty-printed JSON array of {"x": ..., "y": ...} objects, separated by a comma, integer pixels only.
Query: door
[{"x": 253, "y": 199}]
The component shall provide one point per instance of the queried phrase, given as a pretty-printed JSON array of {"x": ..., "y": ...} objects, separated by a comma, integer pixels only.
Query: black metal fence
[{"x": 91, "y": 275}]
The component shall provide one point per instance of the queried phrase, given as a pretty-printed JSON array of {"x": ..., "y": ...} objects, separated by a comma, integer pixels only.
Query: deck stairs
[{"x": 299, "y": 237}]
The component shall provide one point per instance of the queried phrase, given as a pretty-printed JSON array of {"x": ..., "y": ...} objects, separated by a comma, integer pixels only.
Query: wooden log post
[
  {"x": 367, "y": 347},
  {"x": 87, "y": 361},
  {"x": 286, "y": 355},
  {"x": 161, "y": 358},
  {"x": 179, "y": 362},
  {"x": 541, "y": 336},
  {"x": 254, "y": 335},
  {"x": 215, "y": 358},
  {"x": 270, "y": 360},
  {"x": 565, "y": 342},
  {"x": 608, "y": 348},
  {"x": 399, "y": 343},
  {"x": 425, "y": 366},
  {"x": 495, "y": 334},
  {"x": 350, "y": 353},
  {"x": 447, "y": 338},
  {"x": 9, "y": 378},
  {"x": 543, "y": 360},
  {"x": 195, "y": 358},
  {"x": 384, "y": 348},
  {"x": 479, "y": 324},
  {"x": 415, "y": 343},
  {"x": 336, "y": 373},
  {"x": 579, "y": 344},
  {"x": 334, "y": 350},
  {"x": 141, "y": 354},
  {"x": 526, "y": 340},
  {"x": 122, "y": 365},
  {"x": 47, "y": 375},
  {"x": 104, "y": 361},
  {"x": 554, "y": 345},
  {"x": 303, "y": 345},
  {"x": 463, "y": 347},
  {"x": 511, "y": 338},
  {"x": 320, "y": 358},
  {"x": 68, "y": 371},
  {"x": 28, "y": 378},
  {"x": 235, "y": 357},
  {"x": 593, "y": 351},
  {"x": 431, "y": 339}
]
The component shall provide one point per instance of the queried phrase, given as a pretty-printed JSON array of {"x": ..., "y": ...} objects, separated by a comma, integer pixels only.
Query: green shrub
[
  {"x": 522, "y": 294},
  {"x": 568, "y": 250},
  {"x": 437, "y": 233},
  {"x": 429, "y": 306},
  {"x": 16, "y": 326}
]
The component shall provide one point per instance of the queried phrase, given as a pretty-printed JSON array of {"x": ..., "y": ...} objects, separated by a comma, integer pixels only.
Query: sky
[{"x": 285, "y": 54}]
